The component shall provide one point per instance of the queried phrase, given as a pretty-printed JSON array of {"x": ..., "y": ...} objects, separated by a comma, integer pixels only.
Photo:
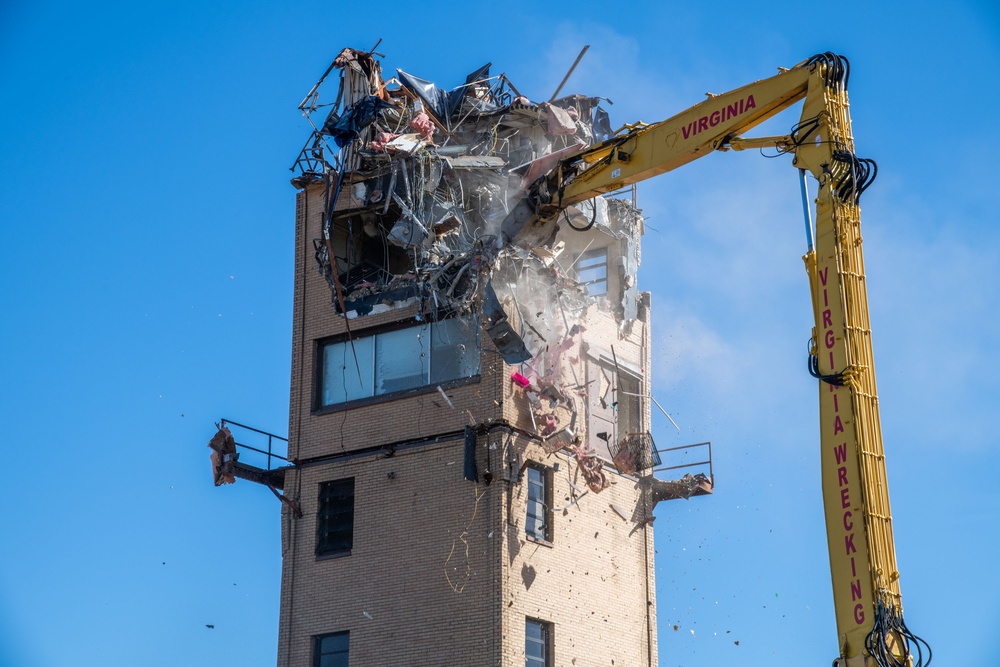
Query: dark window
[
  {"x": 592, "y": 271},
  {"x": 538, "y": 522},
  {"x": 335, "y": 518},
  {"x": 331, "y": 650},
  {"x": 427, "y": 354},
  {"x": 537, "y": 643}
]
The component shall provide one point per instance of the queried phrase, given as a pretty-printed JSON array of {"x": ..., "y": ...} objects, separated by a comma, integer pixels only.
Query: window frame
[
  {"x": 632, "y": 399},
  {"x": 595, "y": 253},
  {"x": 323, "y": 552},
  {"x": 319, "y": 362},
  {"x": 547, "y": 642},
  {"x": 317, "y": 656},
  {"x": 545, "y": 473}
]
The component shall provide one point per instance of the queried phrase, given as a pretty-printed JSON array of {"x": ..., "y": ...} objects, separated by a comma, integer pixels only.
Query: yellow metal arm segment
[{"x": 669, "y": 144}]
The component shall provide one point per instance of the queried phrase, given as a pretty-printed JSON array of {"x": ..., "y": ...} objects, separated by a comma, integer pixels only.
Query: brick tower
[{"x": 469, "y": 421}]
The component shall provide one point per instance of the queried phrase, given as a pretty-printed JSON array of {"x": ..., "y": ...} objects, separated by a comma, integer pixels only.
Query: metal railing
[
  {"x": 708, "y": 462},
  {"x": 271, "y": 437}
]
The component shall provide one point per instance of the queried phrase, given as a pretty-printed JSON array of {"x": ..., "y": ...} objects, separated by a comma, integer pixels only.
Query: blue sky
[{"x": 146, "y": 258}]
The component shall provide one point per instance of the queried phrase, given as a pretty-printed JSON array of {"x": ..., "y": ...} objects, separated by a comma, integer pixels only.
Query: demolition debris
[{"x": 421, "y": 192}]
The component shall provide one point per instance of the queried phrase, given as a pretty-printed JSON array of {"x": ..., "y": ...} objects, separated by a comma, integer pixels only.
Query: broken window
[
  {"x": 454, "y": 350},
  {"x": 393, "y": 361},
  {"x": 592, "y": 269},
  {"x": 537, "y": 643},
  {"x": 537, "y": 525},
  {"x": 335, "y": 519},
  {"x": 331, "y": 650}
]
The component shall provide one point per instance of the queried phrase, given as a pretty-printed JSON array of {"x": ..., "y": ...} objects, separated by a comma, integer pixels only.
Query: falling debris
[
  {"x": 592, "y": 469},
  {"x": 445, "y": 397}
]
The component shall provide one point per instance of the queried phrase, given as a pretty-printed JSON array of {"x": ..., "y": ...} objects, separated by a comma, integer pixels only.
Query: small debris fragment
[{"x": 446, "y": 399}]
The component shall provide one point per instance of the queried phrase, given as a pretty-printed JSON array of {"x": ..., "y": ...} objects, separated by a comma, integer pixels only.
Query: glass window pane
[
  {"x": 592, "y": 270},
  {"x": 340, "y": 374},
  {"x": 629, "y": 405},
  {"x": 592, "y": 259},
  {"x": 337, "y": 643},
  {"x": 454, "y": 349},
  {"x": 590, "y": 275},
  {"x": 535, "y": 522},
  {"x": 401, "y": 360},
  {"x": 536, "y": 646},
  {"x": 331, "y": 650}
]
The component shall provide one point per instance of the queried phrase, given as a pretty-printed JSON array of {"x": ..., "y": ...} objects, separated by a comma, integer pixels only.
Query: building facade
[
  {"x": 398, "y": 558},
  {"x": 469, "y": 421}
]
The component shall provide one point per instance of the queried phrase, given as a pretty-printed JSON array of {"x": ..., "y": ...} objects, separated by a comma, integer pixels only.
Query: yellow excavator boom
[{"x": 865, "y": 579}]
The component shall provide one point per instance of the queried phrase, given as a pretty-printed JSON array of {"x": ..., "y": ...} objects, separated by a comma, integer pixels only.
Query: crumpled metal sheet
[
  {"x": 442, "y": 104},
  {"x": 508, "y": 343}
]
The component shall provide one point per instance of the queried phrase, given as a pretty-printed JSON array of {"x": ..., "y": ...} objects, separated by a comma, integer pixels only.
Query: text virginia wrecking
[{"x": 844, "y": 483}]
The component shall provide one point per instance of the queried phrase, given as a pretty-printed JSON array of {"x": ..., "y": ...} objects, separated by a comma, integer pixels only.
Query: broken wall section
[
  {"x": 417, "y": 181},
  {"x": 589, "y": 365}
]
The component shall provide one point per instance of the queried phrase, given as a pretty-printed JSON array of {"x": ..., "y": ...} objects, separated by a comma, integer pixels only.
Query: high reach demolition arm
[{"x": 866, "y": 593}]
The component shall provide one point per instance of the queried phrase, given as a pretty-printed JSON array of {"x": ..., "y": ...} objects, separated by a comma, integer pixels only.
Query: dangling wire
[
  {"x": 889, "y": 627},
  {"x": 458, "y": 587}
]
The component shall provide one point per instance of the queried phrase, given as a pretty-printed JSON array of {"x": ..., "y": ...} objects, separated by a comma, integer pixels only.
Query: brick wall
[{"x": 441, "y": 565}]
